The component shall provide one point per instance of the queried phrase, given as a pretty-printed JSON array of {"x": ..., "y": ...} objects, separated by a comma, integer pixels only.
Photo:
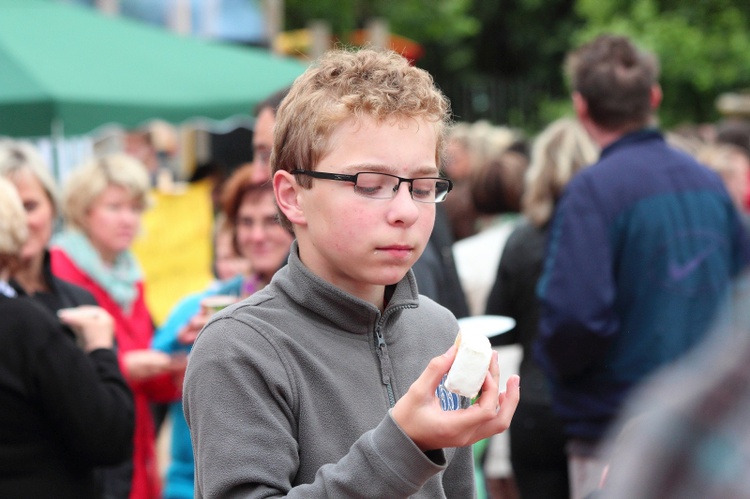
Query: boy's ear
[{"x": 287, "y": 192}]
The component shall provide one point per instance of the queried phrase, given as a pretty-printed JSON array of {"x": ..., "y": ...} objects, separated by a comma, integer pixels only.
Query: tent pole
[{"x": 57, "y": 134}]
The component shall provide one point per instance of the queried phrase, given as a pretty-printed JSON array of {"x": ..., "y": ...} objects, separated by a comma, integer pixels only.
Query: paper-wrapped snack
[{"x": 469, "y": 369}]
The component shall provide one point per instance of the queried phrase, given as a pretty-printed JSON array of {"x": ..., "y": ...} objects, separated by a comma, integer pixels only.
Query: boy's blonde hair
[
  {"x": 346, "y": 84},
  {"x": 13, "y": 230},
  {"x": 92, "y": 178}
]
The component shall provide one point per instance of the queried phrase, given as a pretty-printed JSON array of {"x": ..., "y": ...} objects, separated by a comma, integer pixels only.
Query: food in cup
[{"x": 212, "y": 304}]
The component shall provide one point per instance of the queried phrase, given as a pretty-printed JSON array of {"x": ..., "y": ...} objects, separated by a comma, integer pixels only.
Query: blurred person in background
[
  {"x": 684, "y": 432},
  {"x": 66, "y": 406},
  {"x": 215, "y": 173},
  {"x": 643, "y": 248},
  {"x": 462, "y": 153},
  {"x": 252, "y": 227},
  {"x": 442, "y": 273},
  {"x": 469, "y": 148},
  {"x": 736, "y": 132},
  {"x": 227, "y": 262},
  {"x": 537, "y": 441},
  {"x": 436, "y": 271},
  {"x": 495, "y": 189},
  {"x": 732, "y": 165},
  {"x": 24, "y": 167},
  {"x": 103, "y": 202},
  {"x": 21, "y": 163},
  {"x": 690, "y": 138},
  {"x": 265, "y": 117}
]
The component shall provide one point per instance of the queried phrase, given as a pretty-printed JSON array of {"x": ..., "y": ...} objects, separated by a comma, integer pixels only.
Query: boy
[{"x": 321, "y": 385}]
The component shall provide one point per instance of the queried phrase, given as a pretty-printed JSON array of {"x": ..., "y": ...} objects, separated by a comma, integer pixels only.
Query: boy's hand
[{"x": 420, "y": 416}]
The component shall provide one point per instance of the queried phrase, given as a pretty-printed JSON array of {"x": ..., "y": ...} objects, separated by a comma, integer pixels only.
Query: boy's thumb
[{"x": 439, "y": 366}]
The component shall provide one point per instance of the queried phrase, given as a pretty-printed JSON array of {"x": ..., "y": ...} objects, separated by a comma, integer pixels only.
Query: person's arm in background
[
  {"x": 168, "y": 337},
  {"x": 154, "y": 373},
  {"x": 577, "y": 289},
  {"x": 146, "y": 370},
  {"x": 80, "y": 389}
]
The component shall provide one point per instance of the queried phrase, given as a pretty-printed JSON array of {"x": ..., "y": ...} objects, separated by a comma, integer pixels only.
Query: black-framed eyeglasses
[{"x": 377, "y": 185}]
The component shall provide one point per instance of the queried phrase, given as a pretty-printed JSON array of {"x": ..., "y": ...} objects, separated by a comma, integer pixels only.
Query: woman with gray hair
[
  {"x": 24, "y": 167},
  {"x": 536, "y": 437},
  {"x": 103, "y": 201},
  {"x": 13, "y": 234},
  {"x": 66, "y": 407}
]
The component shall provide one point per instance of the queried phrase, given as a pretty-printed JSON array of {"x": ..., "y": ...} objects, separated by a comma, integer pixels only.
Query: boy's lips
[
  {"x": 399, "y": 250},
  {"x": 400, "y": 247}
]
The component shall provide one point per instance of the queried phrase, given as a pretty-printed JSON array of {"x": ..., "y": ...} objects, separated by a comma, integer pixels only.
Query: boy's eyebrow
[{"x": 426, "y": 171}]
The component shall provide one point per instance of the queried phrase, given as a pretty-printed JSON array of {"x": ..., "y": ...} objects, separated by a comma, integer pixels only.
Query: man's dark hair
[
  {"x": 615, "y": 79},
  {"x": 273, "y": 101}
]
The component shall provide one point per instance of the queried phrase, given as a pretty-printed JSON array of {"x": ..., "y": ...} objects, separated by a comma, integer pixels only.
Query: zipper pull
[{"x": 385, "y": 363}]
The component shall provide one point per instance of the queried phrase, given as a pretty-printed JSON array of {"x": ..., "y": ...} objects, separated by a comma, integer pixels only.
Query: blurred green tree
[
  {"x": 702, "y": 46},
  {"x": 519, "y": 53},
  {"x": 502, "y": 60},
  {"x": 445, "y": 23},
  {"x": 498, "y": 61}
]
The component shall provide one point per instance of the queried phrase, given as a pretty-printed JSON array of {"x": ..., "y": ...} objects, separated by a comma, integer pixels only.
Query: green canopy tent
[{"x": 66, "y": 70}]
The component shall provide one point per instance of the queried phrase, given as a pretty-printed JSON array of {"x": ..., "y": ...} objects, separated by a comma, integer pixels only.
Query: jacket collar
[
  {"x": 642, "y": 135},
  {"x": 344, "y": 310}
]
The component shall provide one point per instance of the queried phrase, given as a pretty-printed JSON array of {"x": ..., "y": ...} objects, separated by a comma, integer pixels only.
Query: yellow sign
[{"x": 175, "y": 247}]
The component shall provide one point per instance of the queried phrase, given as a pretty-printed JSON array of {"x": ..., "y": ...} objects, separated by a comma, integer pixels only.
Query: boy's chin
[{"x": 391, "y": 278}]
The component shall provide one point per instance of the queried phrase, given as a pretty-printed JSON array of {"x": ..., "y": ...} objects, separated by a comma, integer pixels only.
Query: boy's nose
[{"x": 404, "y": 209}]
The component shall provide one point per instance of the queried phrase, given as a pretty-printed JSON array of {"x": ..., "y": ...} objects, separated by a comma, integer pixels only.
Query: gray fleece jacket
[{"x": 288, "y": 392}]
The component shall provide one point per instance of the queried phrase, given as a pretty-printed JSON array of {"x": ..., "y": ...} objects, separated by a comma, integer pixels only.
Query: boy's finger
[
  {"x": 490, "y": 386},
  {"x": 508, "y": 401}
]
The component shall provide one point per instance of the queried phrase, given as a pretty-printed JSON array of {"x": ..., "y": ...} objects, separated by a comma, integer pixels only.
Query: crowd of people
[{"x": 312, "y": 366}]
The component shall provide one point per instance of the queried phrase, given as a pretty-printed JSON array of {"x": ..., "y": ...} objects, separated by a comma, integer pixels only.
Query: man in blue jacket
[{"x": 642, "y": 252}]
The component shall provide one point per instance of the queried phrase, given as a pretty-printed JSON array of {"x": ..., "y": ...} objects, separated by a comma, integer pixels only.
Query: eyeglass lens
[{"x": 384, "y": 186}]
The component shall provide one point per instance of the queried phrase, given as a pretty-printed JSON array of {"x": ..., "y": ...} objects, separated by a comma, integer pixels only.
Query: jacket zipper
[{"x": 385, "y": 365}]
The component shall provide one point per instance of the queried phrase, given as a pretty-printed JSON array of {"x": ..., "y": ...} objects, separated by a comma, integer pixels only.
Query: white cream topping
[{"x": 469, "y": 369}]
